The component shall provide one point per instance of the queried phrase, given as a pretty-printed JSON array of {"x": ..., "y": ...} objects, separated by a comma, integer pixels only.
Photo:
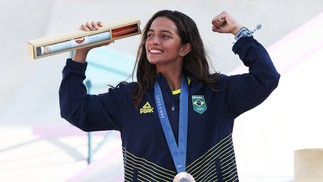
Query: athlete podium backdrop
[{"x": 77, "y": 39}]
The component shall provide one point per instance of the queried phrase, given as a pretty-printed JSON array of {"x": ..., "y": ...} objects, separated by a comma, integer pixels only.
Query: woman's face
[{"x": 163, "y": 44}]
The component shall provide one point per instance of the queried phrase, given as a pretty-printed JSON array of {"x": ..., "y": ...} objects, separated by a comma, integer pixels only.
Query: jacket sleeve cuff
[
  {"x": 240, "y": 43},
  {"x": 76, "y": 66}
]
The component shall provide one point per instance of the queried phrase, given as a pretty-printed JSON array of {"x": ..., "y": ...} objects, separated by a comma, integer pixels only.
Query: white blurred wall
[{"x": 265, "y": 137}]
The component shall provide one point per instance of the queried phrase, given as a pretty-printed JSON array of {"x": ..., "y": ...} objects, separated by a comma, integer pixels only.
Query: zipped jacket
[{"x": 211, "y": 114}]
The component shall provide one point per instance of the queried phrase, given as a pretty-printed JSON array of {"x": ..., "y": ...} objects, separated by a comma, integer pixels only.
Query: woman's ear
[{"x": 185, "y": 49}]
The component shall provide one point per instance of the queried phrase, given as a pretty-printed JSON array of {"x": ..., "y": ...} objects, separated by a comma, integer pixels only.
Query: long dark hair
[{"x": 195, "y": 62}]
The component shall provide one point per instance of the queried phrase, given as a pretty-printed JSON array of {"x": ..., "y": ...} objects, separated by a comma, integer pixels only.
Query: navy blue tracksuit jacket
[{"x": 210, "y": 152}]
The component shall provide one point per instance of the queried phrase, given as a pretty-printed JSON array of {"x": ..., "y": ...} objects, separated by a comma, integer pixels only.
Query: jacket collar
[{"x": 194, "y": 85}]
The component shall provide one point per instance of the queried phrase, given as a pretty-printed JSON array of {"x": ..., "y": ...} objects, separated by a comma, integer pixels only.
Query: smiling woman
[
  {"x": 164, "y": 46},
  {"x": 176, "y": 120},
  {"x": 165, "y": 49}
]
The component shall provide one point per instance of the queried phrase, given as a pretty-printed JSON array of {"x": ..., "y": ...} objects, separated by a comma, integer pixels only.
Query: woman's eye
[
  {"x": 165, "y": 36},
  {"x": 150, "y": 35}
]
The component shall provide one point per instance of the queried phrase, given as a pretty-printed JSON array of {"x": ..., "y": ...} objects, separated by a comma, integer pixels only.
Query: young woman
[{"x": 176, "y": 120}]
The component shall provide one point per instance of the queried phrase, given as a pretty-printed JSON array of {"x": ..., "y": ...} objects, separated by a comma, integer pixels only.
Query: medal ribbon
[{"x": 178, "y": 152}]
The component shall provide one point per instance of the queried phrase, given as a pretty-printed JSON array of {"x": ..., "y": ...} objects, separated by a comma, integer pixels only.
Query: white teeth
[{"x": 155, "y": 51}]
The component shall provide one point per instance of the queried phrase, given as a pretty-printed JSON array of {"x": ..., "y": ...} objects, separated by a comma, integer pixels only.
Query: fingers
[
  {"x": 224, "y": 23},
  {"x": 91, "y": 26},
  {"x": 218, "y": 22}
]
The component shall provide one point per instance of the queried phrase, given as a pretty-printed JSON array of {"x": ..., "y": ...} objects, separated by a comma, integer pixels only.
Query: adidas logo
[{"x": 146, "y": 109}]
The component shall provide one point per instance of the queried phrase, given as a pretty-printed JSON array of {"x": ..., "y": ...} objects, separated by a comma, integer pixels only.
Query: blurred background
[{"x": 36, "y": 144}]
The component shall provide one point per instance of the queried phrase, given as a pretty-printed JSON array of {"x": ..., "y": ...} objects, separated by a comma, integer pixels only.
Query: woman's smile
[{"x": 155, "y": 51}]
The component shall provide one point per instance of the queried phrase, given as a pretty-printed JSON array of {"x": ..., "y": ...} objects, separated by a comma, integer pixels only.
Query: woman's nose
[{"x": 154, "y": 40}]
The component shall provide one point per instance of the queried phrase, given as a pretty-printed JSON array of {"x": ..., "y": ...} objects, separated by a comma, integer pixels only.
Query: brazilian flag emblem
[{"x": 199, "y": 104}]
